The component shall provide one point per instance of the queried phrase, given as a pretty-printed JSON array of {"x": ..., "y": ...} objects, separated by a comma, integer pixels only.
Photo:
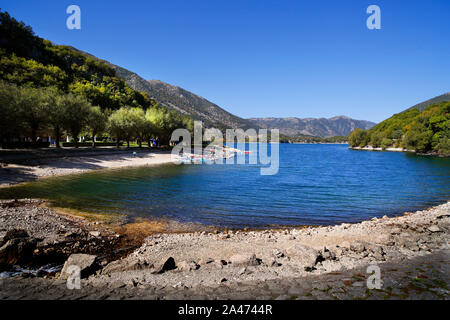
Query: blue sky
[{"x": 267, "y": 58}]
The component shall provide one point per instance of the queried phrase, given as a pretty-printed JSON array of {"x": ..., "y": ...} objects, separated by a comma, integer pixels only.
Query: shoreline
[
  {"x": 390, "y": 149},
  {"x": 18, "y": 171},
  {"x": 229, "y": 264}
]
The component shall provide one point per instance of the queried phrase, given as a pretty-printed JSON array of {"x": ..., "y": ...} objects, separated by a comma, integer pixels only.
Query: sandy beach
[{"x": 22, "y": 167}]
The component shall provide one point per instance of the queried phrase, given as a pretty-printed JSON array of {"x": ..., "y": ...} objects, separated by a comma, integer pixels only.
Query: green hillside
[
  {"x": 423, "y": 129},
  {"x": 421, "y": 106},
  {"x": 29, "y": 60},
  {"x": 49, "y": 90}
]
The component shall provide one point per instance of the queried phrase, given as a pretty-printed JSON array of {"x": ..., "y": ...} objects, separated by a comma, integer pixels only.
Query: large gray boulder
[
  {"x": 303, "y": 255},
  {"x": 244, "y": 259},
  {"x": 86, "y": 262}
]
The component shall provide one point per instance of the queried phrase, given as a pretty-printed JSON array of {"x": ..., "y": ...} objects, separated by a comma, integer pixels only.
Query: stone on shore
[
  {"x": 244, "y": 259},
  {"x": 304, "y": 255},
  {"x": 187, "y": 266},
  {"x": 86, "y": 262},
  {"x": 434, "y": 228},
  {"x": 168, "y": 265},
  {"x": 16, "y": 246}
]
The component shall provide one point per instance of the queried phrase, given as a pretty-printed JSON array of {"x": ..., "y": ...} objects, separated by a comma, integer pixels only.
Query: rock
[
  {"x": 242, "y": 271},
  {"x": 244, "y": 259},
  {"x": 86, "y": 262},
  {"x": 16, "y": 247},
  {"x": 70, "y": 234},
  {"x": 15, "y": 234},
  {"x": 204, "y": 261},
  {"x": 328, "y": 255},
  {"x": 168, "y": 265},
  {"x": 357, "y": 246},
  {"x": 434, "y": 228},
  {"x": 269, "y": 260},
  {"x": 125, "y": 265},
  {"x": 17, "y": 251},
  {"x": 187, "y": 266},
  {"x": 220, "y": 263},
  {"x": 277, "y": 253},
  {"x": 95, "y": 233},
  {"x": 396, "y": 231},
  {"x": 304, "y": 255},
  {"x": 345, "y": 244}
]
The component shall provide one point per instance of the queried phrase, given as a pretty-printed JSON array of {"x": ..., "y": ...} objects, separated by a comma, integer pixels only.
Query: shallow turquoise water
[{"x": 316, "y": 184}]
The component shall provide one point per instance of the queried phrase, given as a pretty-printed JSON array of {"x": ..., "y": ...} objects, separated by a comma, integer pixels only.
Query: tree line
[
  {"x": 54, "y": 90},
  {"x": 423, "y": 132},
  {"x": 30, "y": 112}
]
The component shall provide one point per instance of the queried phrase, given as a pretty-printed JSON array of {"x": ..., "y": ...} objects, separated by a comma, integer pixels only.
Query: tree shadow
[{"x": 15, "y": 175}]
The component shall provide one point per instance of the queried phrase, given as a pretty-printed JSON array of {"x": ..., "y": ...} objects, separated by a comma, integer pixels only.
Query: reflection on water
[{"x": 316, "y": 184}]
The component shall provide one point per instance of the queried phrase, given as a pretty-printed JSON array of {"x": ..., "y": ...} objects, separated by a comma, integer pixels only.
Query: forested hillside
[
  {"x": 49, "y": 89},
  {"x": 422, "y": 131}
]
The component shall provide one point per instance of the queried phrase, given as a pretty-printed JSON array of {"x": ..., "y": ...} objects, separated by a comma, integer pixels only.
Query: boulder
[
  {"x": 16, "y": 247},
  {"x": 168, "y": 265},
  {"x": 95, "y": 234},
  {"x": 244, "y": 259},
  {"x": 125, "y": 265},
  {"x": 328, "y": 255},
  {"x": 304, "y": 255},
  {"x": 269, "y": 260},
  {"x": 86, "y": 262},
  {"x": 16, "y": 234},
  {"x": 187, "y": 266},
  {"x": 358, "y": 246},
  {"x": 434, "y": 228}
]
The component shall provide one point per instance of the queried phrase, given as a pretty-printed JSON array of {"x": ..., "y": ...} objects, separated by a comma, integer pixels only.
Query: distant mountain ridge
[
  {"x": 320, "y": 127},
  {"x": 183, "y": 101},
  {"x": 212, "y": 115}
]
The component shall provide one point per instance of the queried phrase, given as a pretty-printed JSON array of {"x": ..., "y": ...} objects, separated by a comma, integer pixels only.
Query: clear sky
[{"x": 267, "y": 58}]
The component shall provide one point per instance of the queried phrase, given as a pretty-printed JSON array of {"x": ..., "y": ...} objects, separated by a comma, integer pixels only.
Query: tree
[
  {"x": 96, "y": 122},
  {"x": 358, "y": 138},
  {"x": 31, "y": 105},
  {"x": 376, "y": 139},
  {"x": 443, "y": 146},
  {"x": 386, "y": 142},
  {"x": 75, "y": 114},
  {"x": 126, "y": 123},
  {"x": 165, "y": 122},
  {"x": 54, "y": 108},
  {"x": 418, "y": 139},
  {"x": 10, "y": 118}
]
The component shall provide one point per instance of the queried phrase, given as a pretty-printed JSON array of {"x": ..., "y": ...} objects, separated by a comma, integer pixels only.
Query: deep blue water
[{"x": 316, "y": 184}]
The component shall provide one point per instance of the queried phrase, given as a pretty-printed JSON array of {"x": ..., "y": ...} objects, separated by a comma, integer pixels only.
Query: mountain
[
  {"x": 322, "y": 127},
  {"x": 421, "y": 106},
  {"x": 424, "y": 128},
  {"x": 212, "y": 115},
  {"x": 183, "y": 101}
]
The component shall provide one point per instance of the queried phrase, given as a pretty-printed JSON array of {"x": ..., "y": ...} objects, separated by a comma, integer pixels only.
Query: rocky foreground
[{"x": 412, "y": 252}]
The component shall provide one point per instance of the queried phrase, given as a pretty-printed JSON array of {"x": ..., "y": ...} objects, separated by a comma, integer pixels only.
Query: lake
[{"x": 316, "y": 185}]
